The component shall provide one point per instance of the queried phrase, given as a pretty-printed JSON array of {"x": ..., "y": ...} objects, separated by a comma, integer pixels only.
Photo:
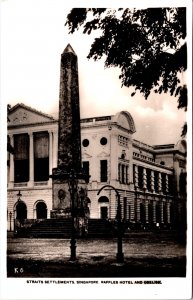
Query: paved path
[{"x": 59, "y": 249}]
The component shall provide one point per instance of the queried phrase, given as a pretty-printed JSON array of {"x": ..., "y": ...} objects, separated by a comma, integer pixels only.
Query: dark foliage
[{"x": 148, "y": 45}]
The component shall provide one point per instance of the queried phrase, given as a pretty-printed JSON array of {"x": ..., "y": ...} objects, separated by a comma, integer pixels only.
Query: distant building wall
[{"x": 148, "y": 178}]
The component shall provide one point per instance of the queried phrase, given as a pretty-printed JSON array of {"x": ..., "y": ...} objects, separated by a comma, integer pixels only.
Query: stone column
[
  {"x": 144, "y": 178},
  {"x": 154, "y": 211},
  {"x": 55, "y": 148},
  {"x": 31, "y": 159},
  {"x": 138, "y": 209},
  {"x": 152, "y": 181},
  {"x": 167, "y": 184},
  {"x": 161, "y": 212},
  {"x": 50, "y": 152},
  {"x": 146, "y": 212},
  {"x": 11, "y": 168},
  {"x": 168, "y": 212},
  {"x": 159, "y": 182},
  {"x": 136, "y": 177}
]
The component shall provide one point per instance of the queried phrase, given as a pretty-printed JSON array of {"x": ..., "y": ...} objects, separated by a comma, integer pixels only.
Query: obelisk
[{"x": 68, "y": 177}]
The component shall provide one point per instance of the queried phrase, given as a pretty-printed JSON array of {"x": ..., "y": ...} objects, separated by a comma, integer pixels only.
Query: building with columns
[{"x": 151, "y": 180}]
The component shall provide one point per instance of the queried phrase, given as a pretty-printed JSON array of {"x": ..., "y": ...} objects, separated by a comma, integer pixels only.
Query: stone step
[{"x": 63, "y": 228}]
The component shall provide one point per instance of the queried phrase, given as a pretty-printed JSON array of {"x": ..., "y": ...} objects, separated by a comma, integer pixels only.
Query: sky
[{"x": 33, "y": 36}]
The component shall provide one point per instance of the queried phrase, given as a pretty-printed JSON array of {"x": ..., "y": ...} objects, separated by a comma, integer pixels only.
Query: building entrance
[
  {"x": 104, "y": 212},
  {"x": 21, "y": 211},
  {"x": 41, "y": 210}
]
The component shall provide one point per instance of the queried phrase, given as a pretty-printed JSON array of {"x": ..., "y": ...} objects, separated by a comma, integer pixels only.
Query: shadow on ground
[{"x": 98, "y": 267}]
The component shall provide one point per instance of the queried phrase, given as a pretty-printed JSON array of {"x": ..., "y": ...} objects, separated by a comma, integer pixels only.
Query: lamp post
[
  {"x": 120, "y": 255},
  {"x": 71, "y": 176},
  {"x": 19, "y": 196},
  {"x": 10, "y": 217}
]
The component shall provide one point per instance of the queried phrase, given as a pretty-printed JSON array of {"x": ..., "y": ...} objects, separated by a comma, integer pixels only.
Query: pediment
[
  {"x": 86, "y": 155},
  {"x": 125, "y": 120},
  {"x": 23, "y": 115},
  {"x": 103, "y": 154}
]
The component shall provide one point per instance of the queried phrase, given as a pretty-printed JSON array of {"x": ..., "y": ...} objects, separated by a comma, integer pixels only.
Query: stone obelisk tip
[{"x": 68, "y": 49}]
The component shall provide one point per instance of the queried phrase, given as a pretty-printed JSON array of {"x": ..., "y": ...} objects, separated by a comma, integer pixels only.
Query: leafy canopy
[{"x": 148, "y": 45}]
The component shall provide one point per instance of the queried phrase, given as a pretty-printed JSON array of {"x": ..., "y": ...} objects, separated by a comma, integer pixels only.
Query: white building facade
[{"x": 151, "y": 180}]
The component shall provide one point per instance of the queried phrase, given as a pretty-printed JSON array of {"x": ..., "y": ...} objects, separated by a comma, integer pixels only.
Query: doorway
[
  {"x": 21, "y": 211},
  {"x": 41, "y": 210},
  {"x": 104, "y": 212}
]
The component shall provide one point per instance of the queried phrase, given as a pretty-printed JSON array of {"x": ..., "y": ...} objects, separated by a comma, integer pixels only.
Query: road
[{"x": 144, "y": 255}]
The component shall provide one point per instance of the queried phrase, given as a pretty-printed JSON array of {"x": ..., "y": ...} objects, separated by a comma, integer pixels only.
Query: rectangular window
[
  {"x": 41, "y": 156},
  {"x": 125, "y": 208},
  {"x": 170, "y": 184},
  {"x": 148, "y": 172},
  {"x": 103, "y": 173},
  {"x": 127, "y": 179},
  {"x": 134, "y": 175},
  {"x": 123, "y": 141},
  {"x": 123, "y": 174},
  {"x": 21, "y": 158},
  {"x": 163, "y": 177},
  {"x": 119, "y": 173},
  {"x": 85, "y": 166},
  {"x": 140, "y": 177},
  {"x": 156, "y": 181},
  {"x": 129, "y": 212}
]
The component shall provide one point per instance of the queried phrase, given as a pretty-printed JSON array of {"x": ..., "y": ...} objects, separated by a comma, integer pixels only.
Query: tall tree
[{"x": 148, "y": 45}]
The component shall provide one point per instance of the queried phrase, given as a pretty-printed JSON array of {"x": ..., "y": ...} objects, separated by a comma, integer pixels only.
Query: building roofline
[
  {"x": 29, "y": 108},
  {"x": 164, "y": 146},
  {"x": 32, "y": 124}
]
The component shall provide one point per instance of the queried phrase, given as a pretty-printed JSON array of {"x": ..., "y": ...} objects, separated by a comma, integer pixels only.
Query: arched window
[
  {"x": 21, "y": 211},
  {"x": 41, "y": 210},
  {"x": 103, "y": 199}
]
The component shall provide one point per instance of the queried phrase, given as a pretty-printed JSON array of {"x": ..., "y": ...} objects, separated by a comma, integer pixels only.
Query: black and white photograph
[{"x": 96, "y": 150}]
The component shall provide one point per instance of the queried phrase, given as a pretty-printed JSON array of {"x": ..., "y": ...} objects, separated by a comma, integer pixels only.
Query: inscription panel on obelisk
[{"x": 61, "y": 196}]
